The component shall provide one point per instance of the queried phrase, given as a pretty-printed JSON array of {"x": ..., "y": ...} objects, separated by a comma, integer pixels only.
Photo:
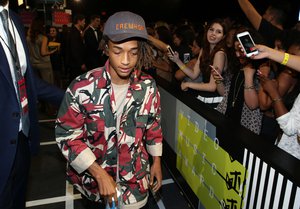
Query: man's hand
[
  {"x": 106, "y": 184},
  {"x": 155, "y": 174}
]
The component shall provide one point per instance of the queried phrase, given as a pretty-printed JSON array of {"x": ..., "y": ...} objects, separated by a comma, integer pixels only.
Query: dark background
[{"x": 173, "y": 11}]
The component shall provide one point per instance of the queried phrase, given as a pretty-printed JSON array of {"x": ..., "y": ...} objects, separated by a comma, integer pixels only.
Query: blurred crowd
[{"x": 207, "y": 63}]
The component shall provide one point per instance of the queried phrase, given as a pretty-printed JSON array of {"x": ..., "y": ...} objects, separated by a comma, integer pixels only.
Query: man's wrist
[
  {"x": 96, "y": 170},
  {"x": 156, "y": 159}
]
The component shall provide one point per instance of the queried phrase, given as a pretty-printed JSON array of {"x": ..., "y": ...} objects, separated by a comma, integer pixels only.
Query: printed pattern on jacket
[{"x": 86, "y": 132}]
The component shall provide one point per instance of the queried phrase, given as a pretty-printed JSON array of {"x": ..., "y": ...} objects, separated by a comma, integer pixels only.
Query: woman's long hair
[
  {"x": 207, "y": 56},
  {"x": 36, "y": 28}
]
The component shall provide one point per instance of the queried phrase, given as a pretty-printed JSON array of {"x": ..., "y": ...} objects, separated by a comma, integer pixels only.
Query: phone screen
[
  {"x": 247, "y": 43},
  {"x": 186, "y": 57}
]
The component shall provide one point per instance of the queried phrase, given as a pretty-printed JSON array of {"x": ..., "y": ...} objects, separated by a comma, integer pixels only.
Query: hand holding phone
[
  {"x": 215, "y": 70},
  {"x": 247, "y": 43}
]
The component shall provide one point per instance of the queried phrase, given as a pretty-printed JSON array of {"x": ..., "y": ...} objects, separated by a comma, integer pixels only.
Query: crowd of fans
[{"x": 208, "y": 62}]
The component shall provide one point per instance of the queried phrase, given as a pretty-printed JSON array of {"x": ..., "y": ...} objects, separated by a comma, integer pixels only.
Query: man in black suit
[
  {"x": 20, "y": 90},
  {"x": 76, "y": 51},
  {"x": 92, "y": 38}
]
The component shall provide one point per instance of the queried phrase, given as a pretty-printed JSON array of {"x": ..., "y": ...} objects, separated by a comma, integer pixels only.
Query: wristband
[
  {"x": 285, "y": 59},
  {"x": 182, "y": 67}
]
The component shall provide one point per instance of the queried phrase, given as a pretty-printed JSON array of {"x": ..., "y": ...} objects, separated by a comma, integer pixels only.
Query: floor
[{"x": 48, "y": 188}]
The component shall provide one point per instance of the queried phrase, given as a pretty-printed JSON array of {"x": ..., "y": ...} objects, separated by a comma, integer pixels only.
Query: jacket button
[{"x": 13, "y": 141}]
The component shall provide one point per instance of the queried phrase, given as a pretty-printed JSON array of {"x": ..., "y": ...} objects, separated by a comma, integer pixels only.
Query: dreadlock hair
[{"x": 146, "y": 56}]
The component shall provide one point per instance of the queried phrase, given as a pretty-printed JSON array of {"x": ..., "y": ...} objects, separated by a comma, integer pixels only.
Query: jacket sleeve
[
  {"x": 154, "y": 136},
  {"x": 48, "y": 92},
  {"x": 70, "y": 132}
]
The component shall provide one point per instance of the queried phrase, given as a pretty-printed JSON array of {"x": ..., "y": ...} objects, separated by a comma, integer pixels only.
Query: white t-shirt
[{"x": 120, "y": 92}]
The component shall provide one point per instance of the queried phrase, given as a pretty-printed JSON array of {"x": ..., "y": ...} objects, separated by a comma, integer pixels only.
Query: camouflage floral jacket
[{"x": 86, "y": 132}]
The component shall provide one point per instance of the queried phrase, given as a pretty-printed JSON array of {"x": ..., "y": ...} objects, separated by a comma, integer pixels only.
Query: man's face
[
  {"x": 96, "y": 22},
  {"x": 81, "y": 24},
  {"x": 3, "y": 2},
  {"x": 123, "y": 58}
]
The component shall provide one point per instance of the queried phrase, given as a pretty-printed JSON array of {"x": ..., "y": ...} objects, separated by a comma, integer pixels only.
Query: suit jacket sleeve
[{"x": 48, "y": 92}]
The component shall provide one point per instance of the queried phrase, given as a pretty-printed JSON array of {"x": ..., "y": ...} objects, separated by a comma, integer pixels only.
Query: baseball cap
[{"x": 124, "y": 25}]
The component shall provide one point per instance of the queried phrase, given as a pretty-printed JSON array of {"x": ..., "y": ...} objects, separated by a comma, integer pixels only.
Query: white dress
[{"x": 290, "y": 125}]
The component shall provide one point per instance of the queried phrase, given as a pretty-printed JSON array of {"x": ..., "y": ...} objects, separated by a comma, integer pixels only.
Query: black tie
[{"x": 18, "y": 73}]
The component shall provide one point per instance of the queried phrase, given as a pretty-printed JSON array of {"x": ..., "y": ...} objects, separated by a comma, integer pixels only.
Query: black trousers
[{"x": 13, "y": 195}]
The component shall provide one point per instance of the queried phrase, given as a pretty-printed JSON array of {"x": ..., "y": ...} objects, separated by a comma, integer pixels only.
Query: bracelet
[
  {"x": 182, "y": 67},
  {"x": 276, "y": 100},
  {"x": 249, "y": 87},
  {"x": 285, "y": 59},
  {"x": 218, "y": 82}
]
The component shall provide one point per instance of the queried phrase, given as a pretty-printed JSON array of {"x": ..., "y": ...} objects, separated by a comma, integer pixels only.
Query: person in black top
[
  {"x": 75, "y": 54},
  {"x": 92, "y": 38}
]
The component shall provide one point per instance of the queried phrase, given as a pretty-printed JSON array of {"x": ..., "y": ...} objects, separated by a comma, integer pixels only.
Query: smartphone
[
  {"x": 214, "y": 69},
  {"x": 170, "y": 50},
  {"x": 247, "y": 43},
  {"x": 186, "y": 58}
]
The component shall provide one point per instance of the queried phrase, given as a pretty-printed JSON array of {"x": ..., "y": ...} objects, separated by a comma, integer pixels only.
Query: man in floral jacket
[{"x": 109, "y": 121}]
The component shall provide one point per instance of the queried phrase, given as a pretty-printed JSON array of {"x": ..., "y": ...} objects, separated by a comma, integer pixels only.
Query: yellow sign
[{"x": 216, "y": 179}]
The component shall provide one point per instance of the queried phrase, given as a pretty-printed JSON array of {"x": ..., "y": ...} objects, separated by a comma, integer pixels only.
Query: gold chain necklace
[{"x": 235, "y": 94}]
